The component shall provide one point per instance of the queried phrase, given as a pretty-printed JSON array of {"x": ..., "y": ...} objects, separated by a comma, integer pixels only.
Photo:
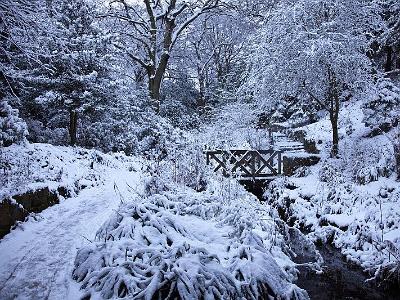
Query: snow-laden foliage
[
  {"x": 305, "y": 42},
  {"x": 383, "y": 107},
  {"x": 13, "y": 129},
  {"x": 390, "y": 36},
  {"x": 73, "y": 85},
  {"x": 178, "y": 103},
  {"x": 362, "y": 221},
  {"x": 371, "y": 160},
  {"x": 234, "y": 125},
  {"x": 313, "y": 51},
  {"x": 186, "y": 165},
  {"x": 180, "y": 244},
  {"x": 362, "y": 161},
  {"x": 127, "y": 124}
]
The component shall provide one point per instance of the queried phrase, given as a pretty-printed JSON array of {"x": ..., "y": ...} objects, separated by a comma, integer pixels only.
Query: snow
[
  {"x": 164, "y": 225},
  {"x": 351, "y": 201},
  {"x": 42, "y": 165},
  {"x": 351, "y": 114},
  {"x": 203, "y": 247},
  {"x": 232, "y": 127},
  {"x": 393, "y": 236},
  {"x": 340, "y": 220},
  {"x": 37, "y": 257},
  {"x": 225, "y": 234}
]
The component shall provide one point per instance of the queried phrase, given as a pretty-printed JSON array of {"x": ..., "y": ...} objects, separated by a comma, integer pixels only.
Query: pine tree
[{"x": 71, "y": 85}]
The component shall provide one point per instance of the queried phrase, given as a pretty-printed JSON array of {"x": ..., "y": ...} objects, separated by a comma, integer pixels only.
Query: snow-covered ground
[
  {"x": 351, "y": 202},
  {"x": 37, "y": 257},
  {"x": 33, "y": 166},
  {"x": 224, "y": 235}
]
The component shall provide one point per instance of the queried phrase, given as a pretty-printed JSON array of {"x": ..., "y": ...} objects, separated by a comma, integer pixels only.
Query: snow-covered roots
[{"x": 185, "y": 245}]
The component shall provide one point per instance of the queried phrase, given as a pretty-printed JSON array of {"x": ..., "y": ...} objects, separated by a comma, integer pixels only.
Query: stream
[{"x": 339, "y": 280}]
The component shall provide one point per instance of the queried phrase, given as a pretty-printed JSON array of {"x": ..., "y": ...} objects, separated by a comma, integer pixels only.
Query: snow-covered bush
[
  {"x": 233, "y": 126},
  {"x": 39, "y": 133},
  {"x": 277, "y": 196},
  {"x": 361, "y": 221},
  {"x": 185, "y": 245},
  {"x": 339, "y": 199},
  {"x": 302, "y": 172},
  {"x": 128, "y": 125},
  {"x": 396, "y": 148},
  {"x": 388, "y": 276},
  {"x": 178, "y": 103},
  {"x": 331, "y": 172},
  {"x": 12, "y": 128},
  {"x": 371, "y": 238},
  {"x": 368, "y": 159},
  {"x": 188, "y": 167},
  {"x": 383, "y": 107},
  {"x": 179, "y": 115}
]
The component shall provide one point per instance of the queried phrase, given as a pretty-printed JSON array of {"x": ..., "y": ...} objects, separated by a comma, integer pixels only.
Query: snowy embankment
[
  {"x": 37, "y": 257},
  {"x": 34, "y": 166},
  {"x": 352, "y": 201}
]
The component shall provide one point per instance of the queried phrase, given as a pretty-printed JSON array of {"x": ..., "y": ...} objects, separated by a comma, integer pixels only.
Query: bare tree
[
  {"x": 217, "y": 46},
  {"x": 151, "y": 30},
  {"x": 299, "y": 55}
]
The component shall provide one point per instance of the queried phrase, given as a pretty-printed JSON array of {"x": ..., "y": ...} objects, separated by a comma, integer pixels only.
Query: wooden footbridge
[{"x": 246, "y": 164}]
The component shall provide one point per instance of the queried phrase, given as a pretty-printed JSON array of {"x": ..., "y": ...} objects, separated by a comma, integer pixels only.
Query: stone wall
[
  {"x": 19, "y": 207},
  {"x": 10, "y": 213}
]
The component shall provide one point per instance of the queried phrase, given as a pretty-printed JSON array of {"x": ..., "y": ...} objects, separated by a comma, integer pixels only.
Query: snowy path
[
  {"x": 36, "y": 263},
  {"x": 287, "y": 144}
]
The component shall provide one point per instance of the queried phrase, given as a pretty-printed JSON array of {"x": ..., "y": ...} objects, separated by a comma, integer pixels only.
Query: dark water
[{"x": 340, "y": 280}]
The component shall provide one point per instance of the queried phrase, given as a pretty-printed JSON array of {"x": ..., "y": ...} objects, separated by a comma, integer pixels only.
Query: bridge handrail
[{"x": 251, "y": 162}]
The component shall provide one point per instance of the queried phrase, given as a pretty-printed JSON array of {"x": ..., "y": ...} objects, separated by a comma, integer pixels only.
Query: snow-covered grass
[{"x": 182, "y": 243}]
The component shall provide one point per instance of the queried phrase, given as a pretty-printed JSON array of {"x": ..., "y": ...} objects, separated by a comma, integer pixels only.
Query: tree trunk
[
  {"x": 154, "y": 90},
  {"x": 156, "y": 72},
  {"x": 397, "y": 157},
  {"x": 396, "y": 148},
  {"x": 389, "y": 59},
  {"x": 334, "y": 118},
  {"x": 334, "y": 106},
  {"x": 73, "y": 122},
  {"x": 201, "y": 100},
  {"x": 335, "y": 135}
]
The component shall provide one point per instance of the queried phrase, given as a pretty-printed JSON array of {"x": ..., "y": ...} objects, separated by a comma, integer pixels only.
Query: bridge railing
[{"x": 246, "y": 164}]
